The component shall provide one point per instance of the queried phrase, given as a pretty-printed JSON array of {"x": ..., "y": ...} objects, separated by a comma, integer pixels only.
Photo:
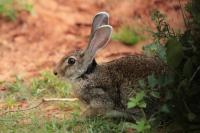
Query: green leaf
[
  {"x": 155, "y": 94},
  {"x": 141, "y": 126},
  {"x": 142, "y": 83},
  {"x": 132, "y": 104},
  {"x": 165, "y": 109},
  {"x": 184, "y": 83},
  {"x": 138, "y": 100},
  {"x": 140, "y": 96},
  {"x": 174, "y": 53},
  {"x": 28, "y": 7},
  {"x": 2, "y": 8},
  {"x": 6, "y": 2},
  {"x": 142, "y": 104},
  {"x": 165, "y": 80},
  {"x": 152, "y": 81},
  {"x": 191, "y": 116},
  {"x": 168, "y": 95},
  {"x": 187, "y": 68},
  {"x": 155, "y": 49},
  {"x": 11, "y": 14}
]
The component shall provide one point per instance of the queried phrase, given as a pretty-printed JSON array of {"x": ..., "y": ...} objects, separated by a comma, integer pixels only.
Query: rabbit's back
[{"x": 128, "y": 70}]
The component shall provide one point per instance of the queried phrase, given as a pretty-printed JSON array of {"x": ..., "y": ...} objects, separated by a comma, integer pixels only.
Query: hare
[{"x": 105, "y": 88}]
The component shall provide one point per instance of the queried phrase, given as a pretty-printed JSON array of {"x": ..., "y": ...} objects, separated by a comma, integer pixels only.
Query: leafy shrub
[
  {"x": 126, "y": 35},
  {"x": 11, "y": 8},
  {"x": 147, "y": 100},
  {"x": 181, "y": 52}
]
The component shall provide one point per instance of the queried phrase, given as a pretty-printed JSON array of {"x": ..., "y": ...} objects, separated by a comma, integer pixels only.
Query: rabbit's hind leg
[{"x": 99, "y": 104}]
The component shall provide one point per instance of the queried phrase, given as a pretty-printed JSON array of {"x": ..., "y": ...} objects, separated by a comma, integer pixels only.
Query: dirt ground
[{"x": 36, "y": 42}]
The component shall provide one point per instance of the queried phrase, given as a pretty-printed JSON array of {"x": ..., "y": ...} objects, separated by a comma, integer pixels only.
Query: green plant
[
  {"x": 10, "y": 102},
  {"x": 141, "y": 126},
  {"x": 11, "y": 8},
  {"x": 138, "y": 100},
  {"x": 182, "y": 54},
  {"x": 155, "y": 49},
  {"x": 49, "y": 83},
  {"x": 32, "y": 122},
  {"x": 126, "y": 35},
  {"x": 17, "y": 89},
  {"x": 163, "y": 30},
  {"x": 147, "y": 102},
  {"x": 15, "y": 86},
  {"x": 95, "y": 125}
]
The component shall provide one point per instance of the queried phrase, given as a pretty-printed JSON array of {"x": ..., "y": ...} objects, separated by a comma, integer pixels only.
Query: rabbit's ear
[
  {"x": 101, "y": 18},
  {"x": 101, "y": 37}
]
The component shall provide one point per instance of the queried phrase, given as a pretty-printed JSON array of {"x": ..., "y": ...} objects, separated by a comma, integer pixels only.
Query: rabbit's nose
[{"x": 55, "y": 72}]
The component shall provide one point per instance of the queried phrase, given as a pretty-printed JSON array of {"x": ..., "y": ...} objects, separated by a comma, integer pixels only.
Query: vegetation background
[{"x": 35, "y": 34}]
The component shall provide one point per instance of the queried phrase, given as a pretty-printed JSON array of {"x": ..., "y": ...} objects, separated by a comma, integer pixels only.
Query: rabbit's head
[{"x": 76, "y": 64}]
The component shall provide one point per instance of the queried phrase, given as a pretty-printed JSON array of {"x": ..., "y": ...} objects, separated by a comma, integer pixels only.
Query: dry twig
[{"x": 59, "y": 99}]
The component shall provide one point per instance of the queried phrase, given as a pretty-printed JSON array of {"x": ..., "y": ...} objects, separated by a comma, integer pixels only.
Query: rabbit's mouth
[
  {"x": 74, "y": 77},
  {"x": 68, "y": 80}
]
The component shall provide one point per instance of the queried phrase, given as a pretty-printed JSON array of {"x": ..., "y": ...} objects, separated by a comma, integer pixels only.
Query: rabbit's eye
[{"x": 71, "y": 60}]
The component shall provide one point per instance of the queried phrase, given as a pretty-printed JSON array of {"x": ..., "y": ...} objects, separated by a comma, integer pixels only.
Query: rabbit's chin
[{"x": 71, "y": 79}]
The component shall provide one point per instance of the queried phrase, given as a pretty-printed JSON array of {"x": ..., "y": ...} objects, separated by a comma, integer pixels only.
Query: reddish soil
[{"x": 36, "y": 42}]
